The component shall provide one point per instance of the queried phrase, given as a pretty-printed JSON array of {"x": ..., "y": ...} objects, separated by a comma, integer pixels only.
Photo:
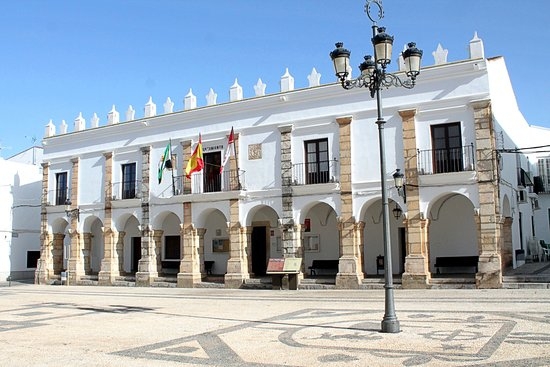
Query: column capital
[
  {"x": 345, "y": 120},
  {"x": 480, "y": 103},
  {"x": 285, "y": 129},
  {"x": 408, "y": 113}
]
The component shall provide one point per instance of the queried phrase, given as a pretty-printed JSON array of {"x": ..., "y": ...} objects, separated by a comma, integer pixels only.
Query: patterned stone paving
[{"x": 51, "y": 326}]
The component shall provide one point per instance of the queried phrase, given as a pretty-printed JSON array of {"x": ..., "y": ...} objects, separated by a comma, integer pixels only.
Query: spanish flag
[{"x": 195, "y": 163}]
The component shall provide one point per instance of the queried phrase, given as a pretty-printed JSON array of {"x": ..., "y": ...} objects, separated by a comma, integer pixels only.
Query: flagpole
[
  {"x": 173, "y": 179},
  {"x": 236, "y": 159}
]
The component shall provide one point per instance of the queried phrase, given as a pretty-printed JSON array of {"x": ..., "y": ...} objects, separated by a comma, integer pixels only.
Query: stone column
[
  {"x": 110, "y": 267},
  {"x": 44, "y": 268},
  {"x": 237, "y": 265},
  {"x": 349, "y": 270},
  {"x": 247, "y": 233},
  {"x": 76, "y": 261},
  {"x": 57, "y": 252},
  {"x": 119, "y": 250},
  {"x": 157, "y": 237},
  {"x": 489, "y": 273},
  {"x": 192, "y": 254},
  {"x": 86, "y": 252},
  {"x": 417, "y": 270},
  {"x": 109, "y": 264},
  {"x": 286, "y": 223},
  {"x": 147, "y": 266},
  {"x": 507, "y": 244},
  {"x": 359, "y": 239}
]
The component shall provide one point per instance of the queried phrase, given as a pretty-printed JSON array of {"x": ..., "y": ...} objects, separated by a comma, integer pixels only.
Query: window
[
  {"x": 32, "y": 258},
  {"x": 172, "y": 247},
  {"x": 317, "y": 163},
  {"x": 447, "y": 148},
  {"x": 212, "y": 178},
  {"x": 61, "y": 188},
  {"x": 129, "y": 181}
]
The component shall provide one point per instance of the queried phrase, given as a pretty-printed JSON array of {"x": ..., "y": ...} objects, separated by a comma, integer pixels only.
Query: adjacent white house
[
  {"x": 302, "y": 181},
  {"x": 20, "y": 198}
]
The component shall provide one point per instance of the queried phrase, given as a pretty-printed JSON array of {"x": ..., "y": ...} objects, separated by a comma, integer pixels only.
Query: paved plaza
[{"x": 108, "y": 326}]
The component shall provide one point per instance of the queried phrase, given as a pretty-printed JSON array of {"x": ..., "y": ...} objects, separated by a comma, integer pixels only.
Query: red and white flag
[{"x": 228, "y": 149}]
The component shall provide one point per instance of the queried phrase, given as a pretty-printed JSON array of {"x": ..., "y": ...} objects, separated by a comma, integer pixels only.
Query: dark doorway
[
  {"x": 212, "y": 178},
  {"x": 259, "y": 258},
  {"x": 447, "y": 148},
  {"x": 403, "y": 249},
  {"x": 136, "y": 253}
]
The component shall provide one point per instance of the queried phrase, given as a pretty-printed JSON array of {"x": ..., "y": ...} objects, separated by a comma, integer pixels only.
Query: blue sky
[{"x": 63, "y": 57}]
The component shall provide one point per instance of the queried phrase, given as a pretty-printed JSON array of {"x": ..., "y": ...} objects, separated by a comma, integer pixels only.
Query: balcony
[
  {"x": 315, "y": 173},
  {"x": 58, "y": 196},
  {"x": 434, "y": 161},
  {"x": 200, "y": 183},
  {"x": 126, "y": 190}
]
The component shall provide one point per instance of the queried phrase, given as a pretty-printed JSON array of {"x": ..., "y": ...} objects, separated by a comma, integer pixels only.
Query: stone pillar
[
  {"x": 44, "y": 268},
  {"x": 359, "y": 239},
  {"x": 119, "y": 250},
  {"x": 110, "y": 267},
  {"x": 76, "y": 261},
  {"x": 57, "y": 252},
  {"x": 417, "y": 270},
  {"x": 507, "y": 244},
  {"x": 349, "y": 270},
  {"x": 247, "y": 235},
  {"x": 237, "y": 265},
  {"x": 147, "y": 266},
  {"x": 192, "y": 253},
  {"x": 489, "y": 273},
  {"x": 157, "y": 237},
  {"x": 290, "y": 241},
  {"x": 86, "y": 252}
]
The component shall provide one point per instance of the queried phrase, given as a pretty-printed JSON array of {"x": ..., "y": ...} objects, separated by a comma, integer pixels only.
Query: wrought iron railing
[
  {"x": 200, "y": 183},
  {"x": 58, "y": 196},
  {"x": 432, "y": 161},
  {"x": 315, "y": 172},
  {"x": 126, "y": 190}
]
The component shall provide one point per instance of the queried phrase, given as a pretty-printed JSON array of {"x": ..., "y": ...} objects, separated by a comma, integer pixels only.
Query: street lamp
[
  {"x": 374, "y": 77},
  {"x": 71, "y": 213}
]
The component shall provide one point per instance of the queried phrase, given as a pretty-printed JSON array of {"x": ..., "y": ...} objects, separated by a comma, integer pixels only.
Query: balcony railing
[
  {"x": 200, "y": 183},
  {"x": 431, "y": 161},
  {"x": 58, "y": 196},
  {"x": 126, "y": 190},
  {"x": 315, "y": 172}
]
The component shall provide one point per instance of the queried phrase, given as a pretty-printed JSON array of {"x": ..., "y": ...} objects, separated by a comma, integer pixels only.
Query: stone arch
[
  {"x": 265, "y": 238},
  {"x": 453, "y": 229},
  {"x": 373, "y": 232},
  {"x": 215, "y": 243}
]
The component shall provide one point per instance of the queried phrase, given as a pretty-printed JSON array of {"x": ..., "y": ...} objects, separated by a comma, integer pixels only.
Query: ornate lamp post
[{"x": 374, "y": 77}]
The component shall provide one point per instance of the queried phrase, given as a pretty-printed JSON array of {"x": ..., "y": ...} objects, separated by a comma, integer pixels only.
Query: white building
[
  {"x": 304, "y": 183},
  {"x": 20, "y": 191}
]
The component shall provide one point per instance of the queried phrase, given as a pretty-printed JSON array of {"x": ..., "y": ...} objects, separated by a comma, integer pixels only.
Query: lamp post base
[{"x": 390, "y": 325}]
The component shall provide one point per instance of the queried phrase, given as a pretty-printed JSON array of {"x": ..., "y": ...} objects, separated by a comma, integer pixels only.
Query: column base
[
  {"x": 348, "y": 281},
  {"x": 489, "y": 275},
  {"x": 415, "y": 281},
  {"x": 188, "y": 280},
  {"x": 144, "y": 279},
  {"x": 348, "y": 276},
  {"x": 234, "y": 280},
  {"x": 107, "y": 277}
]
